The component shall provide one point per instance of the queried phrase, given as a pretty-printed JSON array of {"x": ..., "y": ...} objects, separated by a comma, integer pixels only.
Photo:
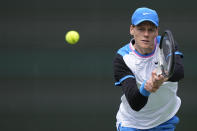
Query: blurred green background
[{"x": 49, "y": 85}]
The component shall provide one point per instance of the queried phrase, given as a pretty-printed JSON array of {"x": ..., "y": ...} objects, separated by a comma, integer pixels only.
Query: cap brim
[{"x": 137, "y": 23}]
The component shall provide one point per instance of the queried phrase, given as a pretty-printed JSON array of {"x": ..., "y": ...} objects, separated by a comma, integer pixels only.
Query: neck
[{"x": 144, "y": 51}]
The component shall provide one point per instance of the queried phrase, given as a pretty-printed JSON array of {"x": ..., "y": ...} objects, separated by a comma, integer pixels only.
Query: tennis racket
[{"x": 166, "y": 56}]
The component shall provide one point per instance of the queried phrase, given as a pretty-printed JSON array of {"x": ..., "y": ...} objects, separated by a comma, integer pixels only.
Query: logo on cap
[{"x": 146, "y": 13}]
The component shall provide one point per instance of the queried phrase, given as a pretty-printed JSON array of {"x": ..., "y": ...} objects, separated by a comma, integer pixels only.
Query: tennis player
[{"x": 149, "y": 101}]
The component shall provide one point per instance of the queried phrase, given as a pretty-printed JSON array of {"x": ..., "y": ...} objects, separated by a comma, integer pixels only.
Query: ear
[
  {"x": 132, "y": 30},
  {"x": 157, "y": 31}
]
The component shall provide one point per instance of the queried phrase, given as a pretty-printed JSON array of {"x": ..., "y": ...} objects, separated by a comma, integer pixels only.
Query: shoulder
[
  {"x": 158, "y": 38},
  {"x": 124, "y": 50}
]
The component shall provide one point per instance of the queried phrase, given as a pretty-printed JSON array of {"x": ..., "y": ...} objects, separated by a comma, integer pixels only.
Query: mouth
[{"x": 145, "y": 41}]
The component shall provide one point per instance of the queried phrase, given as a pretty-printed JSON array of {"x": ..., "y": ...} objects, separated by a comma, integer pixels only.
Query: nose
[{"x": 146, "y": 33}]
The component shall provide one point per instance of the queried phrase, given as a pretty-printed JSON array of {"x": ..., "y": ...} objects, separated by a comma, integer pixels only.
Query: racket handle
[{"x": 158, "y": 70}]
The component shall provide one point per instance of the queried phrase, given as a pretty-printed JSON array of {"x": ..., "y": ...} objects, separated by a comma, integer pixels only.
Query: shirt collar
[{"x": 132, "y": 42}]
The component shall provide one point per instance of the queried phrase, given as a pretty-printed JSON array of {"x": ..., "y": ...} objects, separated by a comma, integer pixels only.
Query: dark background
[{"x": 49, "y": 85}]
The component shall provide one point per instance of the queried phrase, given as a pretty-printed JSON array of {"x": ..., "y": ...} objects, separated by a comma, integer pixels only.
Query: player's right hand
[{"x": 155, "y": 81}]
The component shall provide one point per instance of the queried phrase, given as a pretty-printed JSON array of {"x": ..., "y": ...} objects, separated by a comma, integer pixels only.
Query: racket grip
[{"x": 158, "y": 70}]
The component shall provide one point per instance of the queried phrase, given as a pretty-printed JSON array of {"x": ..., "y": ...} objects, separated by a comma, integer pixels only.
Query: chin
[{"x": 147, "y": 46}]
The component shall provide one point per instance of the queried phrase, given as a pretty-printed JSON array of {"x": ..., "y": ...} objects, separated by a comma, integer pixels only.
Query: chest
[{"x": 141, "y": 67}]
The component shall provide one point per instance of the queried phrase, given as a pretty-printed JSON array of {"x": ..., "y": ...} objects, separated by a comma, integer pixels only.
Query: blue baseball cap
[{"x": 144, "y": 14}]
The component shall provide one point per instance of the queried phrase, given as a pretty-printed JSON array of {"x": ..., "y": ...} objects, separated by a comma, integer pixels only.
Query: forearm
[
  {"x": 178, "y": 70},
  {"x": 125, "y": 78},
  {"x": 136, "y": 98}
]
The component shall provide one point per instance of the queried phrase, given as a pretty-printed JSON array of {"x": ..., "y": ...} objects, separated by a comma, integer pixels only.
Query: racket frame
[{"x": 161, "y": 54}]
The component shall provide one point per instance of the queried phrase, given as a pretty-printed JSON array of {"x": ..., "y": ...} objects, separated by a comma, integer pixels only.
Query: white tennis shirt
[{"x": 161, "y": 106}]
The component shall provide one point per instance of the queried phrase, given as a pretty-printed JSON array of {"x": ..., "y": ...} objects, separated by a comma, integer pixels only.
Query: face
[{"x": 144, "y": 35}]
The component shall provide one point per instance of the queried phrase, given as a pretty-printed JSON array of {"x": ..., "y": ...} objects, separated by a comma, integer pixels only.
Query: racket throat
[{"x": 159, "y": 70}]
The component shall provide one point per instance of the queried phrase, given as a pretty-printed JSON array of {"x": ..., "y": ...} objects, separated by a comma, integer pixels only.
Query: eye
[
  {"x": 151, "y": 29},
  {"x": 141, "y": 29}
]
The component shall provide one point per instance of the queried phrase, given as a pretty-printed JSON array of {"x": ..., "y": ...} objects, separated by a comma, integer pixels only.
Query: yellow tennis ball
[{"x": 72, "y": 37}]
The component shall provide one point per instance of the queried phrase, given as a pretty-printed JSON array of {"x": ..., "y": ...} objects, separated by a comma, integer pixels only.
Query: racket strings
[{"x": 167, "y": 54}]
